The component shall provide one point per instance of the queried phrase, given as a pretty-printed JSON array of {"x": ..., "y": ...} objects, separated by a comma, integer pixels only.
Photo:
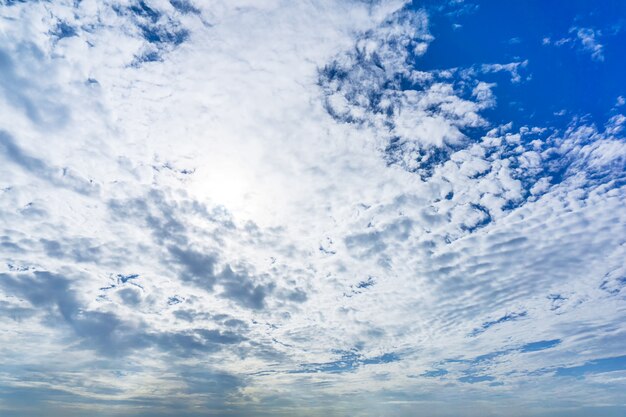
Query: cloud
[
  {"x": 512, "y": 68},
  {"x": 584, "y": 39},
  {"x": 199, "y": 219},
  {"x": 589, "y": 43}
]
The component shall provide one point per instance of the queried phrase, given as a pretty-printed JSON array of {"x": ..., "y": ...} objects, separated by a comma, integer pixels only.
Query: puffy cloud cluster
[{"x": 418, "y": 116}]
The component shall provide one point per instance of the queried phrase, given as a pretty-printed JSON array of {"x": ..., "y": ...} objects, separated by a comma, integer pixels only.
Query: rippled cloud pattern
[{"x": 321, "y": 208}]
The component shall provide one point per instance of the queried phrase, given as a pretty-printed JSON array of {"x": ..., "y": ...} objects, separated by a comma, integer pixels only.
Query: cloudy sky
[{"x": 311, "y": 208}]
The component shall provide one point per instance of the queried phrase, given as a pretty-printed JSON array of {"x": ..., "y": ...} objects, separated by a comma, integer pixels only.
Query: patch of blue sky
[
  {"x": 473, "y": 379},
  {"x": 613, "y": 287},
  {"x": 63, "y": 30},
  {"x": 428, "y": 159},
  {"x": 526, "y": 348},
  {"x": 474, "y": 365},
  {"x": 156, "y": 28},
  {"x": 366, "y": 284},
  {"x": 163, "y": 35},
  {"x": 488, "y": 324},
  {"x": 486, "y": 219},
  {"x": 184, "y": 6},
  {"x": 616, "y": 363},
  {"x": 349, "y": 361},
  {"x": 14, "y": 2},
  {"x": 384, "y": 358},
  {"x": 541, "y": 345},
  {"x": 434, "y": 373},
  {"x": 558, "y": 82},
  {"x": 142, "y": 9},
  {"x": 125, "y": 278},
  {"x": 151, "y": 56}
]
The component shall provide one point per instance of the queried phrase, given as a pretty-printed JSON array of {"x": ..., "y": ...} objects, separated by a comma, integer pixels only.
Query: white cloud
[
  {"x": 589, "y": 42},
  {"x": 186, "y": 226},
  {"x": 584, "y": 39},
  {"x": 512, "y": 68}
]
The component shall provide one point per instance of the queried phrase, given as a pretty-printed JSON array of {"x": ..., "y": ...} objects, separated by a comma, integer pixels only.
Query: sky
[{"x": 331, "y": 208}]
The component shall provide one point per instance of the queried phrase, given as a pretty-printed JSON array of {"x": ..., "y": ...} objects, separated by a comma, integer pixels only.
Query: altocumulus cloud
[{"x": 265, "y": 208}]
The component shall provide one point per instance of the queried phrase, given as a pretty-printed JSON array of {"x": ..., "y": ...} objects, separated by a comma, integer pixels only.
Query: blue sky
[
  {"x": 566, "y": 77},
  {"x": 324, "y": 208}
]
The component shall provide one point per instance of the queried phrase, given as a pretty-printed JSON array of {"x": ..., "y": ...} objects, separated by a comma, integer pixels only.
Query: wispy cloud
[
  {"x": 588, "y": 39},
  {"x": 584, "y": 39}
]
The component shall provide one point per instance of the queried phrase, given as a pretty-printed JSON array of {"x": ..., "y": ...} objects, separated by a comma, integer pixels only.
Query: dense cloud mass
[{"x": 264, "y": 208}]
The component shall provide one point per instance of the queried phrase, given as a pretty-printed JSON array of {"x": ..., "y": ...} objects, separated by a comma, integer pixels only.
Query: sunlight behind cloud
[{"x": 228, "y": 181}]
